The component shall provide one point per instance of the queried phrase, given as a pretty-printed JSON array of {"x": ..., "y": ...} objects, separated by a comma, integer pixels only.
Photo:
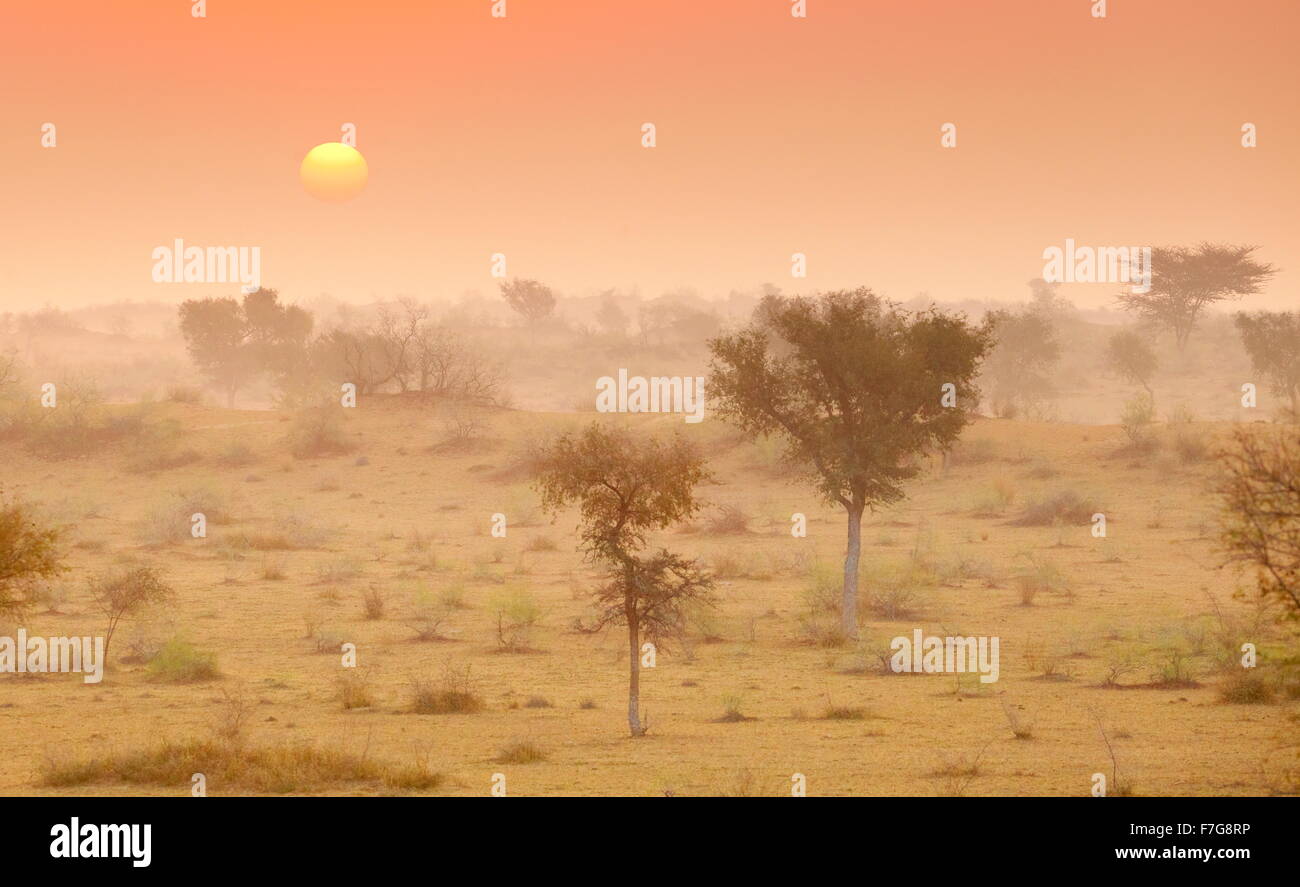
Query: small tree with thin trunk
[
  {"x": 857, "y": 388},
  {"x": 532, "y": 300},
  {"x": 1272, "y": 338},
  {"x": 1186, "y": 280},
  {"x": 1130, "y": 356},
  {"x": 126, "y": 593},
  {"x": 626, "y": 486}
]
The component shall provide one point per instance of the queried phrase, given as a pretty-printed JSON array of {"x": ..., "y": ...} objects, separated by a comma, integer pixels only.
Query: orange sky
[{"x": 522, "y": 136}]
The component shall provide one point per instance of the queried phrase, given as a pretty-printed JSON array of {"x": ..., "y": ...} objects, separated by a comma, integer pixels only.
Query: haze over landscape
[{"x": 650, "y": 398}]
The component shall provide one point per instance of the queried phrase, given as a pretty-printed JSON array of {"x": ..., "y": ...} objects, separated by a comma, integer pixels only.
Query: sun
[{"x": 334, "y": 172}]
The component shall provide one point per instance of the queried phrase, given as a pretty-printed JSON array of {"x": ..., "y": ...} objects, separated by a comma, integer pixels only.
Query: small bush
[
  {"x": 1136, "y": 420},
  {"x": 729, "y": 520},
  {"x": 453, "y": 694},
  {"x": 319, "y": 432},
  {"x": 180, "y": 662},
  {"x": 1246, "y": 688},
  {"x": 521, "y": 752},
  {"x": 516, "y": 612},
  {"x": 1064, "y": 507},
  {"x": 373, "y": 603},
  {"x": 354, "y": 689}
]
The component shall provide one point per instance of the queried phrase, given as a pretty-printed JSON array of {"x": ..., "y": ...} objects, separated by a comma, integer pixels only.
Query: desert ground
[{"x": 1116, "y": 653}]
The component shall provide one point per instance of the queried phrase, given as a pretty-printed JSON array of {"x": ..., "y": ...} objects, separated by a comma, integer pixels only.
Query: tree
[
  {"x": 1184, "y": 280},
  {"x": 856, "y": 387},
  {"x": 28, "y": 551},
  {"x": 215, "y": 332},
  {"x": 611, "y": 317},
  {"x": 1272, "y": 338},
  {"x": 277, "y": 335},
  {"x": 1132, "y": 359},
  {"x": 626, "y": 486},
  {"x": 400, "y": 333},
  {"x": 1018, "y": 365},
  {"x": 233, "y": 342},
  {"x": 359, "y": 356},
  {"x": 125, "y": 593},
  {"x": 532, "y": 300},
  {"x": 1260, "y": 491}
]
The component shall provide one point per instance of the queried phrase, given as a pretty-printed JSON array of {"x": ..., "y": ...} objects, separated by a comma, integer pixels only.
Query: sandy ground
[{"x": 1147, "y": 586}]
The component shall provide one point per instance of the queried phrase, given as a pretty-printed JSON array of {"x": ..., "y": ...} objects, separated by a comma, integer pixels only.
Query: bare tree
[{"x": 399, "y": 330}]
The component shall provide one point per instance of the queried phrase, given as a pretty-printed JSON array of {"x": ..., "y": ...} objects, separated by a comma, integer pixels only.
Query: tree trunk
[
  {"x": 849, "y": 607},
  {"x": 634, "y": 678}
]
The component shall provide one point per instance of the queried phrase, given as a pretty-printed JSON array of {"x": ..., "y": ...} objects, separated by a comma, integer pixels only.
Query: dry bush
[
  {"x": 1063, "y": 507},
  {"x": 186, "y": 394},
  {"x": 236, "y": 454},
  {"x": 279, "y": 769},
  {"x": 452, "y": 694},
  {"x": 1259, "y": 490},
  {"x": 319, "y": 432},
  {"x": 373, "y": 603},
  {"x": 521, "y": 752},
  {"x": 729, "y": 520},
  {"x": 516, "y": 613},
  {"x": 354, "y": 688},
  {"x": 180, "y": 662}
]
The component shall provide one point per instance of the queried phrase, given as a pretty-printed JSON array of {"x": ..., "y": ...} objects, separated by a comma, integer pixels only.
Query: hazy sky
[{"x": 523, "y": 136}]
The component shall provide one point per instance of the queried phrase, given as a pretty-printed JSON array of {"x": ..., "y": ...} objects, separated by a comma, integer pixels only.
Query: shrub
[
  {"x": 276, "y": 769},
  {"x": 354, "y": 689},
  {"x": 181, "y": 662},
  {"x": 184, "y": 394},
  {"x": 372, "y": 603},
  {"x": 729, "y": 520},
  {"x": 521, "y": 752},
  {"x": 319, "y": 432},
  {"x": 1246, "y": 688},
  {"x": 1136, "y": 420},
  {"x": 453, "y": 694},
  {"x": 1064, "y": 507},
  {"x": 516, "y": 613}
]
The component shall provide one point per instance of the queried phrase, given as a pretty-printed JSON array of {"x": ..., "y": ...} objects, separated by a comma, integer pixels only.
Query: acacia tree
[
  {"x": 1260, "y": 489},
  {"x": 626, "y": 486},
  {"x": 532, "y": 300},
  {"x": 28, "y": 551},
  {"x": 1272, "y": 338},
  {"x": 1184, "y": 280},
  {"x": 1131, "y": 357},
  {"x": 856, "y": 388}
]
